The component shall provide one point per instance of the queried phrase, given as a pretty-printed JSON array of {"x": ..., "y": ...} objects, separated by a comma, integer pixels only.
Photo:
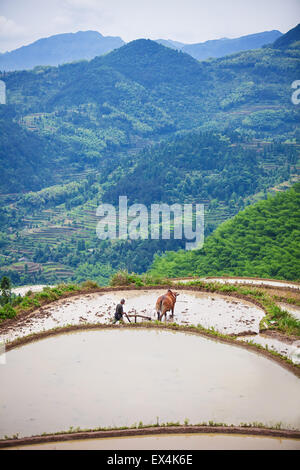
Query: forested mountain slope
[
  {"x": 53, "y": 231},
  {"x": 289, "y": 40},
  {"x": 86, "y": 45},
  {"x": 143, "y": 92},
  {"x": 203, "y": 166},
  {"x": 261, "y": 241},
  {"x": 143, "y": 121}
]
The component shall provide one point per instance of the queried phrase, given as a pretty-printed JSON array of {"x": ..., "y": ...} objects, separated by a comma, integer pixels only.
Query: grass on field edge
[{"x": 210, "y": 426}]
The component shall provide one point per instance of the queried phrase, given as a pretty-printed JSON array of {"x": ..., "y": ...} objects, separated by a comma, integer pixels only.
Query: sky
[{"x": 188, "y": 21}]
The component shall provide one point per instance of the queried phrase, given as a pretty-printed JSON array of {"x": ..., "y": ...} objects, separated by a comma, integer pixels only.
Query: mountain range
[
  {"x": 59, "y": 49},
  {"x": 85, "y": 45},
  {"x": 224, "y": 46},
  {"x": 145, "y": 121}
]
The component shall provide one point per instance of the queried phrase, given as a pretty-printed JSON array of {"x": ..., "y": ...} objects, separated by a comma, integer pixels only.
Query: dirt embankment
[
  {"x": 260, "y": 283},
  {"x": 255, "y": 279},
  {"x": 148, "y": 431}
]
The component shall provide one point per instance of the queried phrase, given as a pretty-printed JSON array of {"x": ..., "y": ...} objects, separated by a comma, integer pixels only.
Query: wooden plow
[{"x": 137, "y": 315}]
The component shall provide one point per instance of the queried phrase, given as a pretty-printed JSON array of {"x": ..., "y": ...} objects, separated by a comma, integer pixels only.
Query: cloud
[
  {"x": 62, "y": 20},
  {"x": 9, "y": 29},
  {"x": 90, "y": 14},
  {"x": 90, "y": 4}
]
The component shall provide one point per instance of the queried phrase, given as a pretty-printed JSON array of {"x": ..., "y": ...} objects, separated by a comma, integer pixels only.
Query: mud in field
[
  {"x": 173, "y": 442},
  {"x": 224, "y": 313},
  {"x": 118, "y": 377}
]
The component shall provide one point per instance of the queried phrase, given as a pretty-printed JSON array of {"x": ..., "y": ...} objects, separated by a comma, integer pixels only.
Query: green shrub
[
  {"x": 66, "y": 287},
  {"x": 89, "y": 284},
  {"x": 43, "y": 295},
  {"x": 55, "y": 292},
  {"x": 7, "y": 312},
  {"x": 150, "y": 279},
  {"x": 121, "y": 278}
]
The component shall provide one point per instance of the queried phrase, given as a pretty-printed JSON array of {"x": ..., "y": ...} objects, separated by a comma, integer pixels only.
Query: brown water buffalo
[{"x": 165, "y": 303}]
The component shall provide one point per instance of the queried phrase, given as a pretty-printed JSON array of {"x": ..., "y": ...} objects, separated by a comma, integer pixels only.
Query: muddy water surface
[
  {"x": 173, "y": 442},
  {"x": 120, "y": 377},
  {"x": 225, "y": 314}
]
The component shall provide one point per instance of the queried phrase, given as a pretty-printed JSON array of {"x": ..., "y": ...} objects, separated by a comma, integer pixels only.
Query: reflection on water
[{"x": 120, "y": 377}]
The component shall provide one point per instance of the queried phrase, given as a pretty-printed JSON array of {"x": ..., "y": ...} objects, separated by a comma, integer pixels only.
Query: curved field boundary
[
  {"x": 259, "y": 284},
  {"x": 242, "y": 284},
  {"x": 282, "y": 361},
  {"x": 284, "y": 281},
  {"x": 148, "y": 431}
]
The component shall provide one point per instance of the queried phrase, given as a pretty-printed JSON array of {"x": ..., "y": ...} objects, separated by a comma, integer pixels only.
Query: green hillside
[
  {"x": 143, "y": 121},
  {"x": 195, "y": 167},
  {"x": 262, "y": 241},
  {"x": 290, "y": 39},
  {"x": 52, "y": 232},
  {"x": 98, "y": 113}
]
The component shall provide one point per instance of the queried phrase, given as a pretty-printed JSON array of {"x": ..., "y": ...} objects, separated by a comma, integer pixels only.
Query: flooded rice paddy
[
  {"x": 112, "y": 378},
  {"x": 226, "y": 314},
  {"x": 24, "y": 289}
]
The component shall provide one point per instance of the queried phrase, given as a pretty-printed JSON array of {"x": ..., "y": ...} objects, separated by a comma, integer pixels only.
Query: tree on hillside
[{"x": 5, "y": 288}]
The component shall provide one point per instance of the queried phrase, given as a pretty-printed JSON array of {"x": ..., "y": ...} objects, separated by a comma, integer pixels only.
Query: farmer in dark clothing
[{"x": 119, "y": 311}]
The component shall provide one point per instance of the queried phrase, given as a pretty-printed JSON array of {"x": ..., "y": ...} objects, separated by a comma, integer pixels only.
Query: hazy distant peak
[
  {"x": 224, "y": 46},
  {"x": 60, "y": 49}
]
